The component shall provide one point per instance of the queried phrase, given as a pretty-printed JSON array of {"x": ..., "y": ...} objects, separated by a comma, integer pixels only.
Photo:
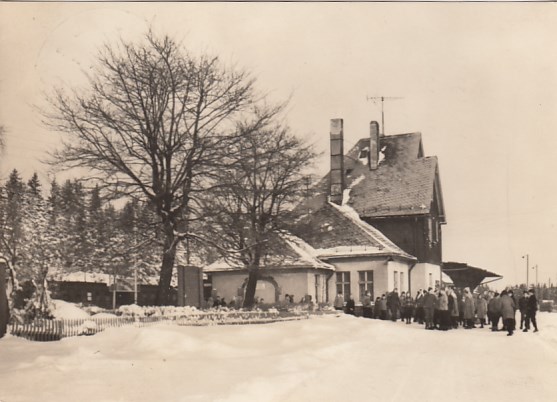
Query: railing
[{"x": 53, "y": 330}]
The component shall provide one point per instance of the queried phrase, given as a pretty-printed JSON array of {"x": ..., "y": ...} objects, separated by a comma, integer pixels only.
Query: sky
[{"x": 477, "y": 80}]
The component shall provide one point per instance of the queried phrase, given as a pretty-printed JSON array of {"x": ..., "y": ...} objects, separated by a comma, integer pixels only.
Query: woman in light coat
[
  {"x": 507, "y": 312},
  {"x": 481, "y": 309},
  {"x": 468, "y": 309},
  {"x": 444, "y": 316}
]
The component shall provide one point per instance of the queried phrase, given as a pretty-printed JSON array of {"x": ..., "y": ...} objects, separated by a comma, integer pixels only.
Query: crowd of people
[{"x": 448, "y": 308}]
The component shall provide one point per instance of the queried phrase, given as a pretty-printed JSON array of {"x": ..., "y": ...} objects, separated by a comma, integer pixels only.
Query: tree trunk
[
  {"x": 249, "y": 299},
  {"x": 4, "y": 309},
  {"x": 167, "y": 267}
]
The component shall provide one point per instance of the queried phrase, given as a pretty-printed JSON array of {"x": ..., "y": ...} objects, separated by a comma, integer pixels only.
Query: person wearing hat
[
  {"x": 507, "y": 312},
  {"x": 531, "y": 309},
  {"x": 522, "y": 306},
  {"x": 393, "y": 304},
  {"x": 429, "y": 305},
  {"x": 494, "y": 311}
]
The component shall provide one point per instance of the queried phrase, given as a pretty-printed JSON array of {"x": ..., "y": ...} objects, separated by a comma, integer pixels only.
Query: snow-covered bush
[{"x": 89, "y": 327}]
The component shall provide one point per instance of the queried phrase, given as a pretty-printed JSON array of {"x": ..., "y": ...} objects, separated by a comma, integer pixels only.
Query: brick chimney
[
  {"x": 373, "y": 145},
  {"x": 336, "y": 184}
]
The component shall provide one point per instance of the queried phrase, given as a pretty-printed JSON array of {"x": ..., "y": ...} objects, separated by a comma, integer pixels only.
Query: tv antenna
[{"x": 382, "y": 99}]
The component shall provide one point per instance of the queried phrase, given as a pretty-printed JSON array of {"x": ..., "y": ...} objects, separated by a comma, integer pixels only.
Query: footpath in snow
[{"x": 322, "y": 359}]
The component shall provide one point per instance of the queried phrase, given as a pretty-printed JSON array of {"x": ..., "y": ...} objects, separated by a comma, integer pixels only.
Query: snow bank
[
  {"x": 63, "y": 309},
  {"x": 326, "y": 358}
]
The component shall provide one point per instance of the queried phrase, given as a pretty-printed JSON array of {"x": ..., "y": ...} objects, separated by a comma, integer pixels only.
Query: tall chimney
[
  {"x": 337, "y": 161},
  {"x": 373, "y": 145}
]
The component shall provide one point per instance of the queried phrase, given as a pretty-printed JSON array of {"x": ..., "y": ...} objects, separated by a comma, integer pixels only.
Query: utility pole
[
  {"x": 527, "y": 256},
  {"x": 134, "y": 258},
  {"x": 382, "y": 99}
]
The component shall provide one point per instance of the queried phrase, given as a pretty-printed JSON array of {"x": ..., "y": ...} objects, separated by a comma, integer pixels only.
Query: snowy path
[{"x": 323, "y": 359}]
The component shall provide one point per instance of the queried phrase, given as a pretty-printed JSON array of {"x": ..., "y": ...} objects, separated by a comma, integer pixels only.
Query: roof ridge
[{"x": 391, "y": 135}]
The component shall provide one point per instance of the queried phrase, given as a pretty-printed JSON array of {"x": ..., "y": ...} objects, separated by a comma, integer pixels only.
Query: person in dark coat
[
  {"x": 460, "y": 297},
  {"x": 429, "y": 305},
  {"x": 408, "y": 307},
  {"x": 436, "y": 311},
  {"x": 350, "y": 306},
  {"x": 402, "y": 299},
  {"x": 531, "y": 309},
  {"x": 393, "y": 303},
  {"x": 522, "y": 306},
  {"x": 377, "y": 308},
  {"x": 494, "y": 311},
  {"x": 453, "y": 307},
  {"x": 507, "y": 312},
  {"x": 419, "y": 311}
]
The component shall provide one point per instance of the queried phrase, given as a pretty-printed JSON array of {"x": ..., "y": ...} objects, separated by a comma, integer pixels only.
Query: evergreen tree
[
  {"x": 11, "y": 217},
  {"x": 34, "y": 185},
  {"x": 39, "y": 250}
]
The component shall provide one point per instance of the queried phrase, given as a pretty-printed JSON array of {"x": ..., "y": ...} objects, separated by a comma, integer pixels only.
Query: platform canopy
[{"x": 464, "y": 275}]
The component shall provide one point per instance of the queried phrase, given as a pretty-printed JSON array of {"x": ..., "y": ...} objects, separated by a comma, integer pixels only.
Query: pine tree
[
  {"x": 11, "y": 217},
  {"x": 34, "y": 185},
  {"x": 39, "y": 250}
]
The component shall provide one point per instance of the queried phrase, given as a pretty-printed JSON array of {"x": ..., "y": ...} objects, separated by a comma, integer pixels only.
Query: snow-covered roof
[
  {"x": 292, "y": 252},
  {"x": 100, "y": 277},
  {"x": 405, "y": 183},
  {"x": 81, "y": 276},
  {"x": 337, "y": 231}
]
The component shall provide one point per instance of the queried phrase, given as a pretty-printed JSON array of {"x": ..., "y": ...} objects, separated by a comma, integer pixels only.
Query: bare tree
[
  {"x": 2, "y": 139},
  {"x": 257, "y": 191},
  {"x": 153, "y": 123}
]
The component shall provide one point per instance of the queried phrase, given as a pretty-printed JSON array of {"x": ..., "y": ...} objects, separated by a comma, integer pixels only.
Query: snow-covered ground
[{"x": 322, "y": 359}]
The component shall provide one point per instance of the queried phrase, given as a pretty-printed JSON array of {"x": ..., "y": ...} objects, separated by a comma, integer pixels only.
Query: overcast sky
[{"x": 477, "y": 80}]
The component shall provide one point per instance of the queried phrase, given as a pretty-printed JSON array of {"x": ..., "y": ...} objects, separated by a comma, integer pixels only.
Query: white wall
[
  {"x": 293, "y": 282},
  {"x": 401, "y": 270},
  {"x": 420, "y": 276},
  {"x": 380, "y": 268}
]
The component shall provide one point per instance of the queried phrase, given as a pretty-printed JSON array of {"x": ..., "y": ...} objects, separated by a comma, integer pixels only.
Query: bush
[{"x": 546, "y": 305}]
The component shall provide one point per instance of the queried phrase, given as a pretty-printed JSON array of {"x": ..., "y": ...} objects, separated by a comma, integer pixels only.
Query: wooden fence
[{"x": 54, "y": 330}]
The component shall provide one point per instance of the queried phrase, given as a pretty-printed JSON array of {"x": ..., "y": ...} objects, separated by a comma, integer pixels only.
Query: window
[
  {"x": 395, "y": 276},
  {"x": 401, "y": 281},
  {"x": 366, "y": 283},
  {"x": 433, "y": 230},
  {"x": 89, "y": 296},
  {"x": 343, "y": 284}
]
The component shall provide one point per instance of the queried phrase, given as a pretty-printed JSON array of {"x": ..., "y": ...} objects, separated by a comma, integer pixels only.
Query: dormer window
[{"x": 364, "y": 153}]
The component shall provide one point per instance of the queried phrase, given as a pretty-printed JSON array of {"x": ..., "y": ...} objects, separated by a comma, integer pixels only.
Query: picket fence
[{"x": 53, "y": 330}]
